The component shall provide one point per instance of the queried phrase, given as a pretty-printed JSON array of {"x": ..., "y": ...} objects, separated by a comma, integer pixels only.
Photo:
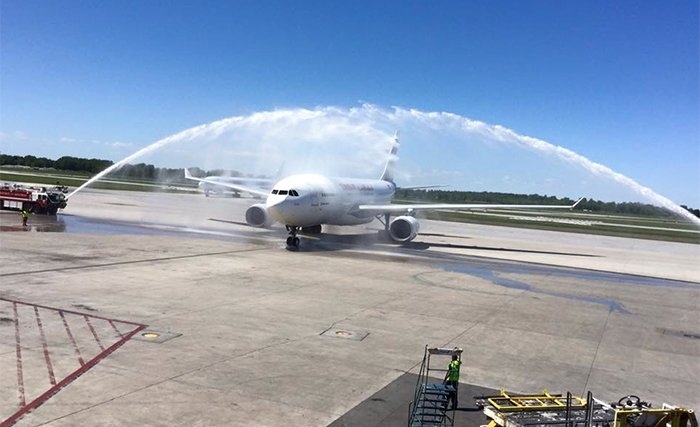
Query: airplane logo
[{"x": 306, "y": 202}]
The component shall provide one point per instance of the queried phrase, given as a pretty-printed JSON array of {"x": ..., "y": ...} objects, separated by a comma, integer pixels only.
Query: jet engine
[
  {"x": 404, "y": 228},
  {"x": 257, "y": 216}
]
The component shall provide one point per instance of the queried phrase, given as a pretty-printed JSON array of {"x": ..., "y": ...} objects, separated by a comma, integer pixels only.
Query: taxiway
[{"x": 195, "y": 319}]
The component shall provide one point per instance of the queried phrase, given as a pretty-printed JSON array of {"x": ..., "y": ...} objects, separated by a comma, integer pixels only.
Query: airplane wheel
[{"x": 293, "y": 243}]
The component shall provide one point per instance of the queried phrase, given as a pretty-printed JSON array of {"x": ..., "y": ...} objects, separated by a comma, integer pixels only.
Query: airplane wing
[
  {"x": 400, "y": 208},
  {"x": 232, "y": 186},
  {"x": 420, "y": 187}
]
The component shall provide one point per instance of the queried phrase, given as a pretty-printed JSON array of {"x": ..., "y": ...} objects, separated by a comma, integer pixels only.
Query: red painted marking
[
  {"x": 26, "y": 408},
  {"x": 47, "y": 355},
  {"x": 20, "y": 377},
  {"x": 70, "y": 378},
  {"x": 68, "y": 311},
  {"x": 70, "y": 335},
  {"x": 94, "y": 333},
  {"x": 115, "y": 329}
]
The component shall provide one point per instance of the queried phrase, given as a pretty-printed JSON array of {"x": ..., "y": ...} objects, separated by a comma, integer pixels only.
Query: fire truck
[{"x": 36, "y": 200}]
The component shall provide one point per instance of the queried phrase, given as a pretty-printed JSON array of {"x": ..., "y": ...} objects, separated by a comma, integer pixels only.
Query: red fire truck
[{"x": 36, "y": 200}]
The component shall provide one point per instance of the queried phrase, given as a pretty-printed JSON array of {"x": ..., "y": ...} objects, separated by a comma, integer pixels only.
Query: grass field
[
  {"x": 667, "y": 229},
  {"x": 608, "y": 225},
  {"x": 52, "y": 177}
]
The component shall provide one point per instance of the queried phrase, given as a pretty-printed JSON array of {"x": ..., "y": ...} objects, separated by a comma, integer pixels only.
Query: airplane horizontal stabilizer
[{"x": 232, "y": 186}]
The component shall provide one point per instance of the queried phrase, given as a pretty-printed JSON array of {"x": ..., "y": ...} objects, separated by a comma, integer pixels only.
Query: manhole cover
[{"x": 345, "y": 333}]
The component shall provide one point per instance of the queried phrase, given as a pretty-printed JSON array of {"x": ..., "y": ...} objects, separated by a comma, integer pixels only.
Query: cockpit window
[
  {"x": 274, "y": 191},
  {"x": 293, "y": 193},
  {"x": 282, "y": 192}
]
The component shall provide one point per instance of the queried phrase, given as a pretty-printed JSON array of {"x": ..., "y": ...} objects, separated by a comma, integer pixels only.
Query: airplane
[
  {"x": 306, "y": 202},
  {"x": 215, "y": 183}
]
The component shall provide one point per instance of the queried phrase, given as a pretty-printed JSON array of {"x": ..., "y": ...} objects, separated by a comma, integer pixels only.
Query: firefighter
[
  {"x": 25, "y": 217},
  {"x": 452, "y": 379}
]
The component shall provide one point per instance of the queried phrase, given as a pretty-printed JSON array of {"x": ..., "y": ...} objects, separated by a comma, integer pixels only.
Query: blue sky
[{"x": 616, "y": 82}]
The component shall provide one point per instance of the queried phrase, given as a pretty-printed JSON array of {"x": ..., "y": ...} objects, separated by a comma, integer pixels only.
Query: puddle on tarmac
[
  {"x": 10, "y": 221},
  {"x": 61, "y": 223},
  {"x": 495, "y": 276},
  {"x": 66, "y": 223}
]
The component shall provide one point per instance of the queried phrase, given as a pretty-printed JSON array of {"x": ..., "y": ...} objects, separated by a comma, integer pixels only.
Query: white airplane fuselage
[
  {"x": 305, "y": 202},
  {"x": 308, "y": 200}
]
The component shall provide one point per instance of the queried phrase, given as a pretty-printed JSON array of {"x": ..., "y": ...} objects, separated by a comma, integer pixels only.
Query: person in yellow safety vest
[
  {"x": 452, "y": 379},
  {"x": 25, "y": 217}
]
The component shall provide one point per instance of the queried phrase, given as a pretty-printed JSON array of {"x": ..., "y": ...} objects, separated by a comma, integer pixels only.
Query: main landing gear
[
  {"x": 384, "y": 234},
  {"x": 292, "y": 239}
]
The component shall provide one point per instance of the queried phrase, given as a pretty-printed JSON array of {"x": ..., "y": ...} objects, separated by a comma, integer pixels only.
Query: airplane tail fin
[
  {"x": 388, "y": 174},
  {"x": 188, "y": 175}
]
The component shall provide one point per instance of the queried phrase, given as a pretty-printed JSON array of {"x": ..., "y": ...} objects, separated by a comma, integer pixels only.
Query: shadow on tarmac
[{"x": 389, "y": 406}]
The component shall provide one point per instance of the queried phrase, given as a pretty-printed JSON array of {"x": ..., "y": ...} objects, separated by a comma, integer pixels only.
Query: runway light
[{"x": 150, "y": 335}]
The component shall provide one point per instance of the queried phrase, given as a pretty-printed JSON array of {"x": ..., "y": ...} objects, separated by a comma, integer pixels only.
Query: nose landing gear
[{"x": 292, "y": 239}]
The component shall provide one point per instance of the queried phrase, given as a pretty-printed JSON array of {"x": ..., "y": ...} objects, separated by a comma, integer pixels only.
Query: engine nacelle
[
  {"x": 404, "y": 229},
  {"x": 257, "y": 216}
]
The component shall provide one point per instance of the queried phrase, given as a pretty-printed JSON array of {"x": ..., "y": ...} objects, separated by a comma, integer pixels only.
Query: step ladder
[{"x": 429, "y": 407}]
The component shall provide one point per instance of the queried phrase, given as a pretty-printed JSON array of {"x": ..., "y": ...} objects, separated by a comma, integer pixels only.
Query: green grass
[
  {"x": 70, "y": 180},
  {"x": 597, "y": 229},
  {"x": 52, "y": 177}
]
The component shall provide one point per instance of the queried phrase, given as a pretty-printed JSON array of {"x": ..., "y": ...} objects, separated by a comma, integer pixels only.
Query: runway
[{"x": 228, "y": 327}]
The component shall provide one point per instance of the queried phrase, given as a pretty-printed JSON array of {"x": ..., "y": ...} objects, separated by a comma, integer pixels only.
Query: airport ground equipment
[
  {"x": 430, "y": 400},
  {"x": 549, "y": 410},
  {"x": 36, "y": 200}
]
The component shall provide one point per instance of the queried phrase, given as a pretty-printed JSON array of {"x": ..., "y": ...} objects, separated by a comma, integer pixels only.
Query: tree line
[
  {"x": 144, "y": 171},
  {"x": 93, "y": 166},
  {"x": 65, "y": 163}
]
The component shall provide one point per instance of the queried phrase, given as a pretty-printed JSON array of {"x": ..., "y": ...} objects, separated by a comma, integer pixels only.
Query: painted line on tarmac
[
  {"x": 44, "y": 345},
  {"x": 136, "y": 261}
]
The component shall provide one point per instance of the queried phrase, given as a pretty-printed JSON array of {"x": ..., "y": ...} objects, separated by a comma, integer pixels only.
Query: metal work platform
[
  {"x": 548, "y": 410},
  {"x": 433, "y": 396}
]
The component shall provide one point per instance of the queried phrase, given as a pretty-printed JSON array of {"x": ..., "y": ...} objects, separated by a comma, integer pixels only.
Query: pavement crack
[
  {"x": 138, "y": 261},
  {"x": 595, "y": 355}
]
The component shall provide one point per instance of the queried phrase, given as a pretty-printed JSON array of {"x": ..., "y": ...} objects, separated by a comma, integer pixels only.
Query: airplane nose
[
  {"x": 274, "y": 202},
  {"x": 275, "y": 207}
]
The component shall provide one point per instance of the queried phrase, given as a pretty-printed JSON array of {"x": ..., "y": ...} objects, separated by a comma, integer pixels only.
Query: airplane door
[{"x": 314, "y": 201}]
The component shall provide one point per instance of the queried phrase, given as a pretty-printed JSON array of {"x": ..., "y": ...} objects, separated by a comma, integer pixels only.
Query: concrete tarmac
[{"x": 162, "y": 309}]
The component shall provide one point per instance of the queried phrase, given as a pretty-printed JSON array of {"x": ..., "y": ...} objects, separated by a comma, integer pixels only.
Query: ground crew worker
[
  {"x": 452, "y": 379},
  {"x": 25, "y": 217}
]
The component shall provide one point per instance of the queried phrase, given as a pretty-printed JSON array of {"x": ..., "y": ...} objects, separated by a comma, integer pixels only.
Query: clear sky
[{"x": 616, "y": 82}]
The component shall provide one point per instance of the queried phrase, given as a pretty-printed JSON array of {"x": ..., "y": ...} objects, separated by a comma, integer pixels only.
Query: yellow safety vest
[{"x": 454, "y": 370}]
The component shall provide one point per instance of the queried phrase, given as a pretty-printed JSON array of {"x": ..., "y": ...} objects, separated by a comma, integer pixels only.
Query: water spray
[{"x": 371, "y": 123}]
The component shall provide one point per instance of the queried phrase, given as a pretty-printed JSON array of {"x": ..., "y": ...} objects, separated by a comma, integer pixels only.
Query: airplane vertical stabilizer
[{"x": 388, "y": 174}]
